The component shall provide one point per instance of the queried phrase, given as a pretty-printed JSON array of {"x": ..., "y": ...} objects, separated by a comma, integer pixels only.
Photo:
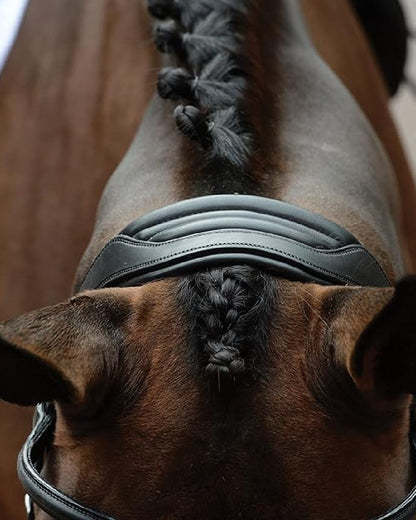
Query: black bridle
[
  {"x": 278, "y": 238},
  {"x": 38, "y": 490}
]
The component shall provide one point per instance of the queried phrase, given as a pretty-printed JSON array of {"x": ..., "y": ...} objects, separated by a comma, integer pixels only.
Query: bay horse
[{"x": 229, "y": 392}]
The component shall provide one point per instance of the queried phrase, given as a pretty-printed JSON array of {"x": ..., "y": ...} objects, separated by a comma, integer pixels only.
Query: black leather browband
[{"x": 279, "y": 238}]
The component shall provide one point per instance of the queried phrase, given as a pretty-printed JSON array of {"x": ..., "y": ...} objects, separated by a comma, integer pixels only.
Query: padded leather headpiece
[{"x": 279, "y": 238}]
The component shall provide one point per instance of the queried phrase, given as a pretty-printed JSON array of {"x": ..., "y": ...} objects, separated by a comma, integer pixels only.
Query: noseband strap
[{"x": 278, "y": 238}]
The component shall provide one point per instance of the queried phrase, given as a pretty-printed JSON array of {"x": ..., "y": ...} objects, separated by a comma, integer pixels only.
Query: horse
[{"x": 227, "y": 391}]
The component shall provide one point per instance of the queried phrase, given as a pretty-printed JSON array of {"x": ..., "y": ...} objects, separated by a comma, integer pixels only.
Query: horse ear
[
  {"x": 383, "y": 362},
  {"x": 62, "y": 352}
]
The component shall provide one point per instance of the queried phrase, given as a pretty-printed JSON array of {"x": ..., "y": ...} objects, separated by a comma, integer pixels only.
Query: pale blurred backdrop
[{"x": 404, "y": 105}]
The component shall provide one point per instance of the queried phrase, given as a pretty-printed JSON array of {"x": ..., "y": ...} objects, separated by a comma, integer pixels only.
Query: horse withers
[{"x": 242, "y": 353}]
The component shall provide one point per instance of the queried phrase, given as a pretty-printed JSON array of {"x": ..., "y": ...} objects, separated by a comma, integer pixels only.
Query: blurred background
[{"x": 404, "y": 105}]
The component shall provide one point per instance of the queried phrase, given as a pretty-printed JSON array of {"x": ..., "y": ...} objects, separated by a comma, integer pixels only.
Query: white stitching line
[
  {"x": 150, "y": 262},
  {"x": 129, "y": 241},
  {"x": 136, "y": 243}
]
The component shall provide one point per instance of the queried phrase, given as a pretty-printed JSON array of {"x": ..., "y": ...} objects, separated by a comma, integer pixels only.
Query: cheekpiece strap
[
  {"x": 39, "y": 491},
  {"x": 219, "y": 230}
]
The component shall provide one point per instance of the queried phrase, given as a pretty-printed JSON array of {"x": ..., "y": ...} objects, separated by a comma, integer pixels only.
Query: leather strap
[
  {"x": 29, "y": 465},
  {"x": 403, "y": 511},
  {"x": 271, "y": 235}
]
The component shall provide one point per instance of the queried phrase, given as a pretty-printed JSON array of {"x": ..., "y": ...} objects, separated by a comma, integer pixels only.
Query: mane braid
[
  {"x": 230, "y": 309},
  {"x": 207, "y": 37}
]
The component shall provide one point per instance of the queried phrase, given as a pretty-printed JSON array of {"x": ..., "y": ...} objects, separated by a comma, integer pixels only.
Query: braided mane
[
  {"x": 206, "y": 36},
  {"x": 229, "y": 307}
]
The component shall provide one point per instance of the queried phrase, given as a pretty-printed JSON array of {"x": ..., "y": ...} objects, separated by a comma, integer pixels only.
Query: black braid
[
  {"x": 168, "y": 37},
  {"x": 188, "y": 12},
  {"x": 175, "y": 83},
  {"x": 230, "y": 309},
  {"x": 213, "y": 81},
  {"x": 190, "y": 122},
  {"x": 207, "y": 37},
  {"x": 163, "y": 9}
]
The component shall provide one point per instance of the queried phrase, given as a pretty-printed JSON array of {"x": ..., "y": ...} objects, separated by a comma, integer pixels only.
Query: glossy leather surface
[
  {"x": 219, "y": 230},
  {"x": 29, "y": 465}
]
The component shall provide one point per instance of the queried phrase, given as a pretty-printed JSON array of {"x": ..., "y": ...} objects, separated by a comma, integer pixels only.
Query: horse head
[{"x": 228, "y": 389}]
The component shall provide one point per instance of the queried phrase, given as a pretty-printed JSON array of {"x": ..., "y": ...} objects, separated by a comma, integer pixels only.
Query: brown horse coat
[{"x": 314, "y": 135}]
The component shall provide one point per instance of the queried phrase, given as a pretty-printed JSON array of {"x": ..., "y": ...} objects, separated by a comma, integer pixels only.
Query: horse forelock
[{"x": 229, "y": 311}]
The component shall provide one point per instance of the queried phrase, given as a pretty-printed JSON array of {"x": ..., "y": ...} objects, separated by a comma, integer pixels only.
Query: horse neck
[
  {"x": 327, "y": 156},
  {"x": 314, "y": 148}
]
